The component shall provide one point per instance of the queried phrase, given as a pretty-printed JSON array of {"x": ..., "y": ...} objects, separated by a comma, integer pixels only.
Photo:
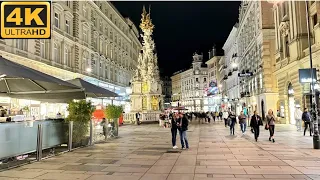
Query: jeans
[
  {"x": 306, "y": 124},
  {"x": 183, "y": 139},
  {"x": 256, "y": 132},
  {"x": 232, "y": 128},
  {"x": 174, "y": 136},
  {"x": 243, "y": 127},
  {"x": 298, "y": 124}
]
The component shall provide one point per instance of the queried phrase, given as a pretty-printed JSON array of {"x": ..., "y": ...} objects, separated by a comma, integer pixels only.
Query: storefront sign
[
  {"x": 305, "y": 75},
  {"x": 247, "y": 74}
]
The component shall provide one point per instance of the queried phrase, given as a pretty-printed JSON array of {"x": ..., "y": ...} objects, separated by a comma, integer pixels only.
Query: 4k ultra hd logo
[{"x": 25, "y": 20}]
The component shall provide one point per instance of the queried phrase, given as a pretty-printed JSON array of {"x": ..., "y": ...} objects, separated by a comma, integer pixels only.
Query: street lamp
[
  {"x": 88, "y": 69},
  {"x": 234, "y": 65},
  {"x": 314, "y": 111}
]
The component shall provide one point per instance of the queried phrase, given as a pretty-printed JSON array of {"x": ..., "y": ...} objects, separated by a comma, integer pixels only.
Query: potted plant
[
  {"x": 80, "y": 113},
  {"x": 113, "y": 113}
]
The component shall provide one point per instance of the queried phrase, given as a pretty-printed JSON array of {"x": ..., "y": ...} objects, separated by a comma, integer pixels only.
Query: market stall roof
[
  {"x": 19, "y": 81},
  {"x": 92, "y": 90}
]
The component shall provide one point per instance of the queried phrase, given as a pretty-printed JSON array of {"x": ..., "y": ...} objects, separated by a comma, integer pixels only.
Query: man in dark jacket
[
  {"x": 183, "y": 127},
  {"x": 255, "y": 123},
  {"x": 138, "y": 118},
  {"x": 307, "y": 121},
  {"x": 174, "y": 129}
]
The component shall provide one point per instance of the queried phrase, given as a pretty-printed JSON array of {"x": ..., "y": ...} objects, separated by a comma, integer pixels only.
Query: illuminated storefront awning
[
  {"x": 92, "y": 90},
  {"x": 19, "y": 81}
]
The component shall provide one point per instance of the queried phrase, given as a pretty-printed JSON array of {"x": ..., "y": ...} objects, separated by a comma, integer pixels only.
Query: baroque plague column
[{"x": 146, "y": 97}]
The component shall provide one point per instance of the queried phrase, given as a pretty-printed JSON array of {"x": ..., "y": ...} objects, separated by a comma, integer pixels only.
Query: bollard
[
  {"x": 70, "y": 136},
  {"x": 39, "y": 142},
  {"x": 91, "y": 133}
]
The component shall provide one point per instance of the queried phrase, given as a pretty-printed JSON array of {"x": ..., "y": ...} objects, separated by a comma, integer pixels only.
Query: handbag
[{"x": 266, "y": 127}]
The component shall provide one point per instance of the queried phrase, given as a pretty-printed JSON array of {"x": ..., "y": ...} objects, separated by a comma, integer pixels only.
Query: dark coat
[
  {"x": 254, "y": 122},
  {"x": 184, "y": 121},
  {"x": 306, "y": 117}
]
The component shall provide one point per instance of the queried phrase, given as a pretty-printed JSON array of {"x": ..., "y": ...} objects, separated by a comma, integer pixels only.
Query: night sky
[{"x": 182, "y": 28}]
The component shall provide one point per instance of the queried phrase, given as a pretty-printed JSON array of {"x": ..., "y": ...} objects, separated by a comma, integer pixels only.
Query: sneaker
[
  {"x": 183, "y": 148},
  {"x": 273, "y": 140},
  {"x": 175, "y": 147}
]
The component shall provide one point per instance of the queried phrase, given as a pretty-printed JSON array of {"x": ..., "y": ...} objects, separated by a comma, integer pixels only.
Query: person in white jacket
[
  {"x": 225, "y": 116},
  {"x": 298, "y": 117}
]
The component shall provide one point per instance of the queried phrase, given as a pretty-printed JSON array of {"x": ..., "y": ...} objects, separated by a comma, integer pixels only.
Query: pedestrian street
[{"x": 145, "y": 153}]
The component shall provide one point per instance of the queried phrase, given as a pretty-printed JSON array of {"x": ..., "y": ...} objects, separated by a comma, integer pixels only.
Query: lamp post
[{"x": 314, "y": 111}]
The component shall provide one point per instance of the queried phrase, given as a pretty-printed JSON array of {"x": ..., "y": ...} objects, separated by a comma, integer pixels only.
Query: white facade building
[
  {"x": 90, "y": 40},
  {"x": 231, "y": 63},
  {"x": 256, "y": 52},
  {"x": 193, "y": 84}
]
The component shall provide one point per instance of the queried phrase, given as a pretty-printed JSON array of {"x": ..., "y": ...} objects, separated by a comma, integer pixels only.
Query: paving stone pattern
[{"x": 144, "y": 153}]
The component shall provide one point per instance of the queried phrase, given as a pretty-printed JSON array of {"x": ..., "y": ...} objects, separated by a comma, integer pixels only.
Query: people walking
[
  {"x": 174, "y": 130},
  {"x": 183, "y": 127},
  {"x": 297, "y": 117},
  {"x": 138, "y": 118},
  {"x": 225, "y": 117},
  {"x": 220, "y": 115},
  {"x": 307, "y": 121},
  {"x": 271, "y": 120},
  {"x": 243, "y": 122},
  {"x": 233, "y": 121},
  {"x": 255, "y": 124}
]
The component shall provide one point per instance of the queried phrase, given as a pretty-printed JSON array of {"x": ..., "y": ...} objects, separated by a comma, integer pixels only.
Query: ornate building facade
[
  {"x": 256, "y": 49},
  {"x": 292, "y": 53},
  {"x": 194, "y": 81},
  {"x": 90, "y": 40},
  {"x": 231, "y": 60}
]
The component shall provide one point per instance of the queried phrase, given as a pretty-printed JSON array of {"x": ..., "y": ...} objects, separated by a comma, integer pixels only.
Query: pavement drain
[
  {"x": 110, "y": 173},
  {"x": 210, "y": 175},
  {"x": 146, "y": 166}
]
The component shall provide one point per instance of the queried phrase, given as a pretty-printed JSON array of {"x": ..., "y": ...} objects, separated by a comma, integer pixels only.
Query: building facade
[
  {"x": 292, "y": 53},
  {"x": 213, "y": 90},
  {"x": 256, "y": 49},
  {"x": 176, "y": 89},
  {"x": 231, "y": 62},
  {"x": 194, "y": 81},
  {"x": 90, "y": 40},
  {"x": 166, "y": 91}
]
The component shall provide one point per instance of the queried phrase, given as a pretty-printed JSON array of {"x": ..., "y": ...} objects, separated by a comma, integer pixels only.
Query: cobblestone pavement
[{"x": 145, "y": 153}]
